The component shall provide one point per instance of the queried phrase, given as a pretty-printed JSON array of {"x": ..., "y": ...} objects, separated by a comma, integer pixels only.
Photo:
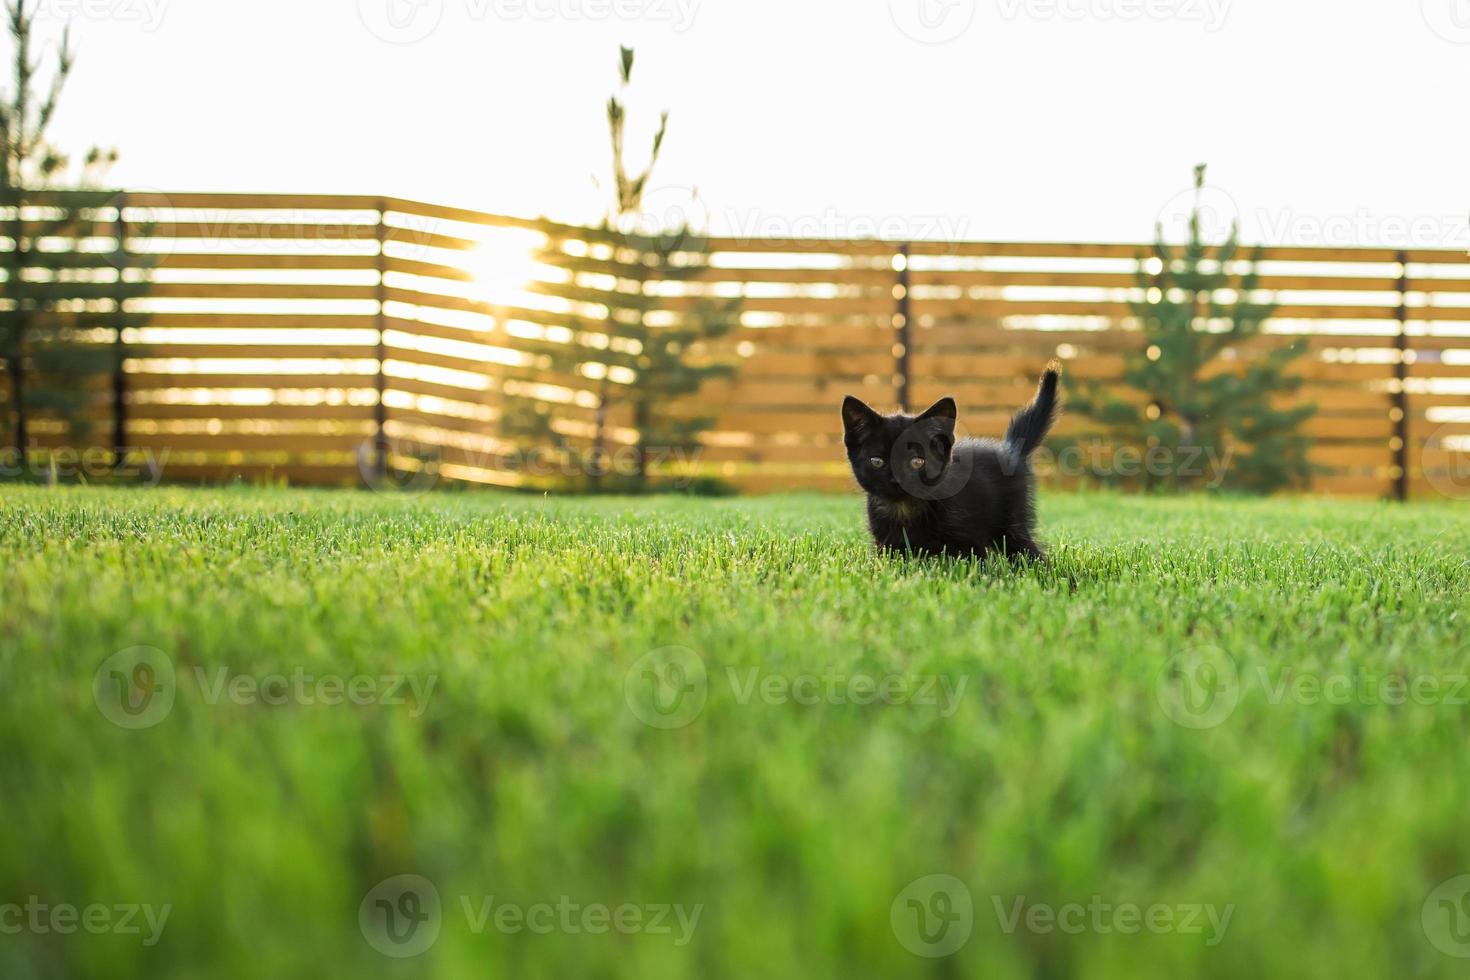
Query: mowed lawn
[{"x": 1211, "y": 738}]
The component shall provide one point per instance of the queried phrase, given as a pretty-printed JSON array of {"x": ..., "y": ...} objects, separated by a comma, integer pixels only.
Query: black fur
[{"x": 933, "y": 495}]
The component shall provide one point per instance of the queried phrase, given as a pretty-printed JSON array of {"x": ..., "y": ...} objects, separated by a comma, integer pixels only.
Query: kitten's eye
[
  {"x": 877, "y": 462},
  {"x": 917, "y": 463}
]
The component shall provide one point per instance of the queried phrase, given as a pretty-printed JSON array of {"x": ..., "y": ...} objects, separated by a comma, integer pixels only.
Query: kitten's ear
[
  {"x": 857, "y": 417},
  {"x": 944, "y": 410},
  {"x": 941, "y": 420}
]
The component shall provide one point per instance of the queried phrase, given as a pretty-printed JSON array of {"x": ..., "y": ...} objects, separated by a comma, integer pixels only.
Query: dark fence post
[
  {"x": 1400, "y": 413},
  {"x": 380, "y": 411},
  {"x": 119, "y": 348},
  {"x": 903, "y": 321}
]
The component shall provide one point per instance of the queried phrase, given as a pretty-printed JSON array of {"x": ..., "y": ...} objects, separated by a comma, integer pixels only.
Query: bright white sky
[{"x": 1342, "y": 120}]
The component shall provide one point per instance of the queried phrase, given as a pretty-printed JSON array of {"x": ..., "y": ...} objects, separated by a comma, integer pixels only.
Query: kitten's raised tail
[{"x": 1030, "y": 425}]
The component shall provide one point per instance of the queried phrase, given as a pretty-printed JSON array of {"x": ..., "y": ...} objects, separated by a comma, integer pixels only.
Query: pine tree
[
  {"x": 62, "y": 298},
  {"x": 650, "y": 348},
  {"x": 1199, "y": 388}
]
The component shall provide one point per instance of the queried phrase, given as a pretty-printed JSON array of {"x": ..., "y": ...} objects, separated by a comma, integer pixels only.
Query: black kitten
[{"x": 929, "y": 495}]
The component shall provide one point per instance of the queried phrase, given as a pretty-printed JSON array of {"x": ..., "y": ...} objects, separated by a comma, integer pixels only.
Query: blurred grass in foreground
[{"x": 1052, "y": 773}]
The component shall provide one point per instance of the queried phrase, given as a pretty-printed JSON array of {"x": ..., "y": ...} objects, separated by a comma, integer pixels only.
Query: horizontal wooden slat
[
  {"x": 801, "y": 246},
  {"x": 256, "y": 352},
  {"x": 432, "y": 270},
  {"x": 818, "y": 363},
  {"x": 247, "y": 261},
  {"x": 780, "y": 483},
  {"x": 247, "y": 291},
  {"x": 148, "y": 413},
  {"x": 466, "y": 216},
  {"x": 973, "y": 278},
  {"x": 755, "y": 392},
  {"x": 443, "y": 360},
  {"x": 241, "y": 442},
  {"x": 1277, "y": 253},
  {"x": 994, "y": 308},
  {"x": 1350, "y": 456},
  {"x": 345, "y": 474},
  {"x": 424, "y": 238},
  {"x": 1432, "y": 369},
  {"x": 143, "y": 381},
  {"x": 263, "y": 321},
  {"x": 850, "y": 276},
  {"x": 250, "y": 230},
  {"x": 252, "y": 202},
  {"x": 432, "y": 389},
  {"x": 490, "y": 338}
]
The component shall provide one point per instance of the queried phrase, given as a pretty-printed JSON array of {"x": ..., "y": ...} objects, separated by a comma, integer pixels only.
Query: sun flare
[{"x": 504, "y": 266}]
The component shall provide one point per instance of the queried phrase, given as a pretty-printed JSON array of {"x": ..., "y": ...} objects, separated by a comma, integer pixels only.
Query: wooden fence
[{"x": 317, "y": 338}]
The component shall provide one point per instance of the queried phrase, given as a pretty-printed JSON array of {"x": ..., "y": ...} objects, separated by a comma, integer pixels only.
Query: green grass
[{"x": 1055, "y": 774}]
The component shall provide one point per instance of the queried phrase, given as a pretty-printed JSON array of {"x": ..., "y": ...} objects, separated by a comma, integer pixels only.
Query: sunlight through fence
[{"x": 328, "y": 339}]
